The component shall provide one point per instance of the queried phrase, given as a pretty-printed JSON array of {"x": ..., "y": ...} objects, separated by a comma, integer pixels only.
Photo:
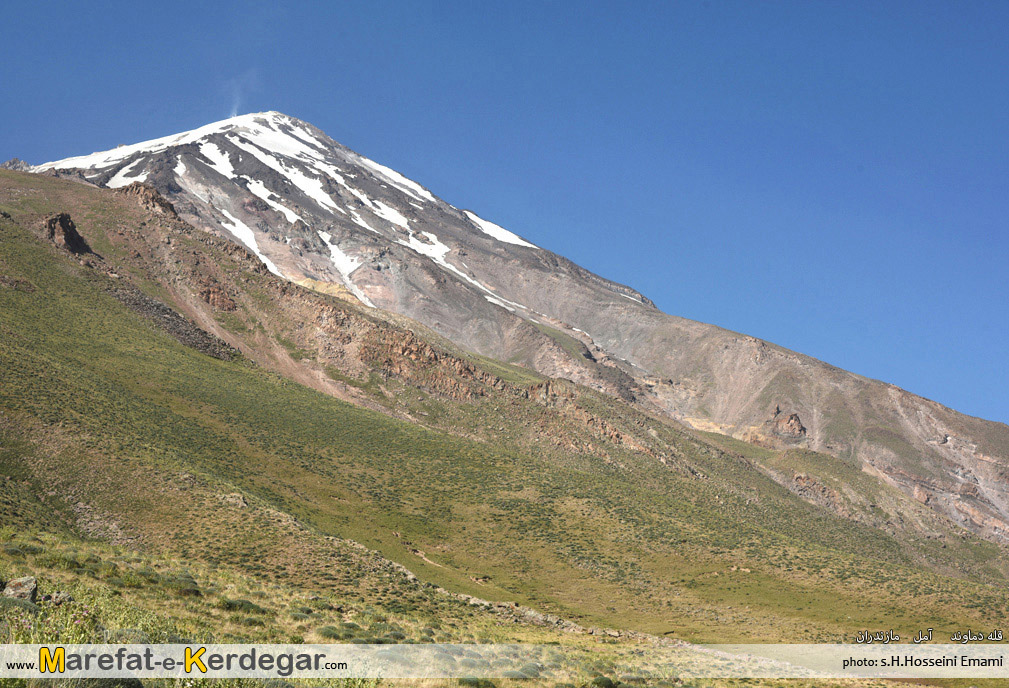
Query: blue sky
[{"x": 830, "y": 176}]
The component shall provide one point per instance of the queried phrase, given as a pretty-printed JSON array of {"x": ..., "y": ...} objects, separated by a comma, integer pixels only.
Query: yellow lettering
[
  {"x": 52, "y": 663},
  {"x": 194, "y": 658}
]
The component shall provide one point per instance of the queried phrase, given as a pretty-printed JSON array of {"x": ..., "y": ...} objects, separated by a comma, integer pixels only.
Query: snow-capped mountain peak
[
  {"x": 318, "y": 214},
  {"x": 309, "y": 208}
]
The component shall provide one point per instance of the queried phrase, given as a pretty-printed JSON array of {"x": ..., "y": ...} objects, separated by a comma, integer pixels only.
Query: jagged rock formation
[
  {"x": 61, "y": 231},
  {"x": 16, "y": 164}
]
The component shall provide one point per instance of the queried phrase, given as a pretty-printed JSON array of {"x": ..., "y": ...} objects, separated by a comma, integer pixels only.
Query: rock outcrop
[
  {"x": 16, "y": 164},
  {"x": 813, "y": 490},
  {"x": 150, "y": 199},
  {"x": 27, "y": 590},
  {"x": 61, "y": 231},
  {"x": 788, "y": 427},
  {"x": 22, "y": 589},
  {"x": 215, "y": 295}
]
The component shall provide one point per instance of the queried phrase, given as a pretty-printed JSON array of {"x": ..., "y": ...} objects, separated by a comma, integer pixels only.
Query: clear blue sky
[{"x": 833, "y": 177}]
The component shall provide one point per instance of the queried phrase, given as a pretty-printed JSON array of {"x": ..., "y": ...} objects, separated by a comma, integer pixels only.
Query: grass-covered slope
[{"x": 487, "y": 481}]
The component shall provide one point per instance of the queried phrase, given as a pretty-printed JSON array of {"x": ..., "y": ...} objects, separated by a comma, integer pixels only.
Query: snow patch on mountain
[
  {"x": 433, "y": 248},
  {"x": 498, "y": 302},
  {"x": 259, "y": 189},
  {"x": 497, "y": 231},
  {"x": 244, "y": 233},
  {"x": 267, "y": 134},
  {"x": 345, "y": 265},
  {"x": 121, "y": 179},
  {"x": 358, "y": 220},
  {"x": 391, "y": 214},
  {"x": 436, "y": 251},
  {"x": 407, "y": 186},
  {"x": 219, "y": 160},
  {"x": 311, "y": 187},
  {"x": 120, "y": 153}
]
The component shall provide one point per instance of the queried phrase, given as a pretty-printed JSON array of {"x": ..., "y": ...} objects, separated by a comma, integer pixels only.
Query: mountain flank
[
  {"x": 320, "y": 215},
  {"x": 346, "y": 442}
]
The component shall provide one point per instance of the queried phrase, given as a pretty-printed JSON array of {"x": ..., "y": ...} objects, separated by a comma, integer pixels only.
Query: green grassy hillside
[{"x": 116, "y": 432}]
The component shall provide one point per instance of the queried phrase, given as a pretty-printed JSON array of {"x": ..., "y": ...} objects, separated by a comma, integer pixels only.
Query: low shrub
[
  {"x": 331, "y": 633},
  {"x": 241, "y": 605}
]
